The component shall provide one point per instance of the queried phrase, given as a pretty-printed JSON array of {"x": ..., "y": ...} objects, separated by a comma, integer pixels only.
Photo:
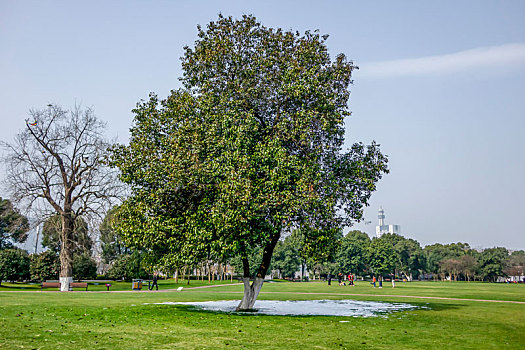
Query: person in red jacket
[{"x": 350, "y": 279}]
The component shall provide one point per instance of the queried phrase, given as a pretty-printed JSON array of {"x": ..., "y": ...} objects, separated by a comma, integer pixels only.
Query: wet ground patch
[{"x": 352, "y": 308}]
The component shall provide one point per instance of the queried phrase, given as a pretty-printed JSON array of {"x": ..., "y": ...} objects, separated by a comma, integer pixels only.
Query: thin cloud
[{"x": 483, "y": 57}]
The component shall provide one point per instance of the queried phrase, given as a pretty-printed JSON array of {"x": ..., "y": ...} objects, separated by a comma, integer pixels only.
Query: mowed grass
[{"x": 118, "y": 320}]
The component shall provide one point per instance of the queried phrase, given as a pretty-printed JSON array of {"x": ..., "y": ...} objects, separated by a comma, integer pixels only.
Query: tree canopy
[
  {"x": 248, "y": 150},
  {"x": 352, "y": 253},
  {"x": 13, "y": 225}
]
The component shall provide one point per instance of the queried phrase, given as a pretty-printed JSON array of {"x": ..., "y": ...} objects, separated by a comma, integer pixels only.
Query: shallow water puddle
[{"x": 305, "y": 307}]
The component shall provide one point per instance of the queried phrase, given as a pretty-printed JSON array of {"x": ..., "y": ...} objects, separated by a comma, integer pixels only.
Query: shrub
[
  {"x": 84, "y": 267},
  {"x": 44, "y": 266},
  {"x": 14, "y": 265},
  {"x": 127, "y": 267}
]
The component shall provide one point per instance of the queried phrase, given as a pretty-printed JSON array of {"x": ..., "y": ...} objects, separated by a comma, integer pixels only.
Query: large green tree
[
  {"x": 352, "y": 250},
  {"x": 13, "y": 225},
  {"x": 250, "y": 149},
  {"x": 492, "y": 263},
  {"x": 381, "y": 257},
  {"x": 410, "y": 259},
  {"x": 436, "y": 253}
]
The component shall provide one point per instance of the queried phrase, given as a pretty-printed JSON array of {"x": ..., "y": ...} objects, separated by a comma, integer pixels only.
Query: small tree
[
  {"x": 468, "y": 266},
  {"x": 56, "y": 166},
  {"x": 452, "y": 267},
  {"x": 515, "y": 264},
  {"x": 14, "y": 264},
  {"x": 13, "y": 225},
  {"x": 45, "y": 266}
]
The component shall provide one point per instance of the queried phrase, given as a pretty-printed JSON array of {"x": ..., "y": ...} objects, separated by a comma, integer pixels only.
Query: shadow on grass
[
  {"x": 21, "y": 286},
  {"x": 436, "y": 306}
]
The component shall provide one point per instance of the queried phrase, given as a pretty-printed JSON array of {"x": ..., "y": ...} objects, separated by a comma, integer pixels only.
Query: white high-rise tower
[{"x": 381, "y": 229}]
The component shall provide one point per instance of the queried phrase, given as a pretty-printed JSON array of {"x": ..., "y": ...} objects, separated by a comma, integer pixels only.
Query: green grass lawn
[{"x": 115, "y": 320}]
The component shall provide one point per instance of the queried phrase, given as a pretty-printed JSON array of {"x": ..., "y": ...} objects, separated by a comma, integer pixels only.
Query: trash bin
[{"x": 136, "y": 284}]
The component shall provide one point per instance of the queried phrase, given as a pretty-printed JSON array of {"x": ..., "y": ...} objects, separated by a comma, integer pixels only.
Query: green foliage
[
  {"x": 45, "y": 266},
  {"x": 351, "y": 256},
  {"x": 492, "y": 263},
  {"x": 436, "y": 253},
  {"x": 381, "y": 257},
  {"x": 286, "y": 258},
  {"x": 13, "y": 225},
  {"x": 515, "y": 264},
  {"x": 410, "y": 259},
  {"x": 127, "y": 267},
  {"x": 249, "y": 149},
  {"x": 51, "y": 233},
  {"x": 254, "y": 259},
  {"x": 14, "y": 264},
  {"x": 84, "y": 267},
  {"x": 111, "y": 243}
]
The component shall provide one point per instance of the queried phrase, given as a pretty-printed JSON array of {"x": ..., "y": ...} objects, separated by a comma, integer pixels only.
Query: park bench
[
  {"x": 57, "y": 285},
  {"x": 79, "y": 285},
  {"x": 50, "y": 285}
]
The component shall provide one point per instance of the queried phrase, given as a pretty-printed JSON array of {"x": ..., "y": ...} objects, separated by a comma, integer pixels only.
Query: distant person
[
  {"x": 329, "y": 277},
  {"x": 155, "y": 278},
  {"x": 393, "y": 281},
  {"x": 374, "y": 281},
  {"x": 340, "y": 279},
  {"x": 350, "y": 280},
  {"x": 380, "y": 281}
]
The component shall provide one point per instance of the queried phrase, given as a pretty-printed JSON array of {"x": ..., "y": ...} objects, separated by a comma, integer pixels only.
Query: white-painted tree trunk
[
  {"x": 65, "y": 283},
  {"x": 250, "y": 293}
]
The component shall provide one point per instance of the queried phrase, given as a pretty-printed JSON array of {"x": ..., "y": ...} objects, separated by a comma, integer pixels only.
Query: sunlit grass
[{"x": 84, "y": 320}]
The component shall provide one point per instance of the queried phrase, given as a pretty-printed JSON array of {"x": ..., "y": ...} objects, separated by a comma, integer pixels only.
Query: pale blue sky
[{"x": 441, "y": 87}]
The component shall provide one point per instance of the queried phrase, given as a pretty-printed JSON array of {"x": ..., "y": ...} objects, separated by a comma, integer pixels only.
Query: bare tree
[{"x": 55, "y": 165}]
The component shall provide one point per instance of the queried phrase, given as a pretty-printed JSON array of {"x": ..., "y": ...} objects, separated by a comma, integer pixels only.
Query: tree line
[
  {"x": 403, "y": 257},
  {"x": 355, "y": 253}
]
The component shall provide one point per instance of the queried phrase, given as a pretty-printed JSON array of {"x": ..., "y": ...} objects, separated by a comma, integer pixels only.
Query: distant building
[{"x": 381, "y": 229}]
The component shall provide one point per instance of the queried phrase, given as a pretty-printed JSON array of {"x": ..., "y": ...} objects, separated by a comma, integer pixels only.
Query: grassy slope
[{"x": 122, "y": 321}]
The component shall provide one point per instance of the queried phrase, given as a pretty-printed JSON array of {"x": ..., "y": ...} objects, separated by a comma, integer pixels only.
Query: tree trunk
[
  {"x": 66, "y": 254},
  {"x": 251, "y": 292}
]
